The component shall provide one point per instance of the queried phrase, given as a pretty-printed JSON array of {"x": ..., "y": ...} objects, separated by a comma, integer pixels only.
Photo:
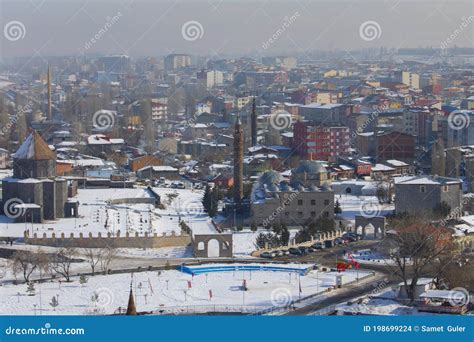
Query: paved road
[
  {"x": 345, "y": 294},
  {"x": 329, "y": 257}
]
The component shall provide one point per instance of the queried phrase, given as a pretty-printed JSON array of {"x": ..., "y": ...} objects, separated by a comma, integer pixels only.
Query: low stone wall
[
  {"x": 133, "y": 200},
  {"x": 319, "y": 238},
  {"x": 99, "y": 241}
]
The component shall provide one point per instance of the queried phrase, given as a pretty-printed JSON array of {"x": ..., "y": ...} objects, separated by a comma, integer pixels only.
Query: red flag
[
  {"x": 341, "y": 266},
  {"x": 210, "y": 294},
  {"x": 189, "y": 284}
]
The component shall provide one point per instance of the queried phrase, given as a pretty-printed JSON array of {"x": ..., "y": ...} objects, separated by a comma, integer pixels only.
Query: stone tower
[
  {"x": 438, "y": 160},
  {"x": 254, "y": 123},
  {"x": 238, "y": 162},
  {"x": 50, "y": 108},
  {"x": 34, "y": 159}
]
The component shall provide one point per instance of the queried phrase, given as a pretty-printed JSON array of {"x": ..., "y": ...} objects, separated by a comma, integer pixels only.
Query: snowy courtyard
[
  {"x": 97, "y": 214},
  {"x": 171, "y": 291}
]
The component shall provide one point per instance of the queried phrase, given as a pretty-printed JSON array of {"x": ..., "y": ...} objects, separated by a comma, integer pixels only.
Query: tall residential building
[
  {"x": 419, "y": 123},
  {"x": 316, "y": 142},
  {"x": 211, "y": 78},
  {"x": 159, "y": 109},
  {"x": 177, "y": 61},
  {"x": 411, "y": 79}
]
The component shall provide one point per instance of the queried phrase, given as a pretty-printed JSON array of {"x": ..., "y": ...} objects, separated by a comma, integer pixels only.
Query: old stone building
[
  {"x": 34, "y": 193},
  {"x": 294, "y": 202},
  {"x": 418, "y": 194}
]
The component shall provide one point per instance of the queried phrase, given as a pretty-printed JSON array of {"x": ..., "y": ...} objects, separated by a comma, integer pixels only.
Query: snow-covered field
[
  {"x": 96, "y": 215},
  {"x": 168, "y": 291}
]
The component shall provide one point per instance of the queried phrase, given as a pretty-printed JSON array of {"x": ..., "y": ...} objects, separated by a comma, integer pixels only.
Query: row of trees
[
  {"x": 25, "y": 263},
  {"x": 321, "y": 225},
  {"x": 278, "y": 236}
]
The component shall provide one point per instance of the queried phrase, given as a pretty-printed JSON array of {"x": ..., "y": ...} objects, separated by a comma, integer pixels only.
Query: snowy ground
[
  {"x": 169, "y": 292},
  {"x": 380, "y": 304},
  {"x": 96, "y": 215},
  {"x": 362, "y": 205}
]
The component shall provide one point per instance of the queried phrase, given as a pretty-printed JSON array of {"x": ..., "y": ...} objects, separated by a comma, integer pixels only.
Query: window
[
  {"x": 326, "y": 202},
  {"x": 300, "y": 202},
  {"x": 287, "y": 213},
  {"x": 313, "y": 202},
  {"x": 422, "y": 189},
  {"x": 326, "y": 214},
  {"x": 445, "y": 188},
  {"x": 300, "y": 213},
  {"x": 313, "y": 214}
]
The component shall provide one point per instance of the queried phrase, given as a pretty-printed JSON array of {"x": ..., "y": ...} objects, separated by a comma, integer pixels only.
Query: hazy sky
[{"x": 146, "y": 27}]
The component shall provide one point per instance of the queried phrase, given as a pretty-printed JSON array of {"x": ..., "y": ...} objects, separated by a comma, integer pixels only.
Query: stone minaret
[
  {"x": 238, "y": 162},
  {"x": 438, "y": 161},
  {"x": 50, "y": 112},
  {"x": 254, "y": 123}
]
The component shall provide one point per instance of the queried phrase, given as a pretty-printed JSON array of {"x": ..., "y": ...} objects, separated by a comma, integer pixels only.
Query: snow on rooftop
[
  {"x": 382, "y": 168},
  {"x": 395, "y": 162}
]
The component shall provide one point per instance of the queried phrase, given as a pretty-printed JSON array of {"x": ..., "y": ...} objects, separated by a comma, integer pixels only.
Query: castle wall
[{"x": 99, "y": 241}]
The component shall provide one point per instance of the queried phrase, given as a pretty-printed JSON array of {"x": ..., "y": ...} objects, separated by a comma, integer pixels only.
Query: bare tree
[
  {"x": 25, "y": 263},
  {"x": 414, "y": 246},
  {"x": 94, "y": 256},
  {"x": 107, "y": 255},
  {"x": 61, "y": 262}
]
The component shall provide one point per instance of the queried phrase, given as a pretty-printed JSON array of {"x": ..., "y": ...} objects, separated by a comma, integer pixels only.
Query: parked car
[
  {"x": 278, "y": 253},
  {"x": 311, "y": 250},
  {"x": 318, "y": 245},
  {"x": 328, "y": 243},
  {"x": 338, "y": 241},
  {"x": 303, "y": 249},
  {"x": 295, "y": 251},
  {"x": 267, "y": 255}
]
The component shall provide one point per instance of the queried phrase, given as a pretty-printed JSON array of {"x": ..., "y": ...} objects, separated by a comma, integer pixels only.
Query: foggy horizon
[{"x": 238, "y": 28}]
